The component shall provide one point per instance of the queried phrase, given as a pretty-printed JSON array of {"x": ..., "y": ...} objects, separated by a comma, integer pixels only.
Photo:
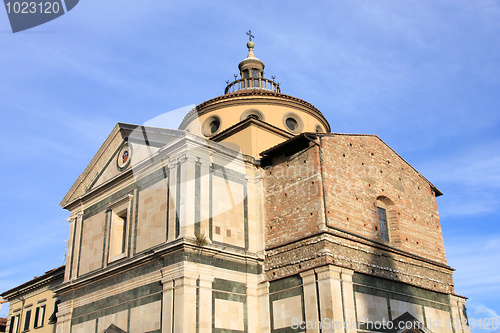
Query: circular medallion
[{"x": 123, "y": 158}]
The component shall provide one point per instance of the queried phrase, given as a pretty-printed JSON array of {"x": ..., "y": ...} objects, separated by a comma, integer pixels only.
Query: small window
[
  {"x": 255, "y": 73},
  {"x": 14, "y": 324},
  {"x": 211, "y": 125},
  {"x": 39, "y": 316},
  {"x": 252, "y": 113},
  {"x": 319, "y": 129},
  {"x": 214, "y": 126},
  {"x": 117, "y": 238},
  {"x": 382, "y": 220},
  {"x": 118, "y": 224},
  {"x": 246, "y": 73},
  {"x": 291, "y": 123},
  {"x": 27, "y": 320}
]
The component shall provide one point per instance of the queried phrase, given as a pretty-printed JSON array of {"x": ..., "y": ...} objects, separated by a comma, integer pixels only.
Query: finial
[{"x": 250, "y": 44}]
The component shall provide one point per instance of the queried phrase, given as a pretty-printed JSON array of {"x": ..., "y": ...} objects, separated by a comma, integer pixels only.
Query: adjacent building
[{"x": 33, "y": 305}]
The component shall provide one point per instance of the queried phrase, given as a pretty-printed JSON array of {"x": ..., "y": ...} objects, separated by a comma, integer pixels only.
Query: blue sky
[{"x": 422, "y": 75}]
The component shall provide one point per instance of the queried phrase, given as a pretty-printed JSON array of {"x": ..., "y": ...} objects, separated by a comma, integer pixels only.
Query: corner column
[
  {"x": 205, "y": 304},
  {"x": 167, "y": 306},
  {"x": 63, "y": 315},
  {"x": 458, "y": 316},
  {"x": 185, "y": 304},
  {"x": 348, "y": 300},
  {"x": 310, "y": 300},
  {"x": 330, "y": 302},
  {"x": 264, "y": 311}
]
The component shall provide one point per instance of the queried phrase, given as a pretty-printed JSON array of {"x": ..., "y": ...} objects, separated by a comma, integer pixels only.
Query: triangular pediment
[
  {"x": 407, "y": 323},
  {"x": 114, "y": 329},
  {"x": 125, "y": 143}
]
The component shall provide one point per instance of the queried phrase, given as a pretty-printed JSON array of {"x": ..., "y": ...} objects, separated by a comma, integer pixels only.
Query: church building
[{"x": 253, "y": 216}]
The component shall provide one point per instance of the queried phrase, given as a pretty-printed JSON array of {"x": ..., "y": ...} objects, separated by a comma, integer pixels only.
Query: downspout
[{"x": 21, "y": 314}]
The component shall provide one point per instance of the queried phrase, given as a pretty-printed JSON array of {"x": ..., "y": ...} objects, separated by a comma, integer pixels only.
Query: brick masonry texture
[{"x": 357, "y": 173}]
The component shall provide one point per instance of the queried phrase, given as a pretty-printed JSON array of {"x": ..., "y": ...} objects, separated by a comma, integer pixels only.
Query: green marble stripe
[
  {"x": 197, "y": 198},
  {"x": 129, "y": 299},
  {"x": 229, "y": 286},
  {"x": 200, "y": 258},
  {"x": 167, "y": 223},
  {"x": 398, "y": 287},
  {"x": 178, "y": 200},
  {"x": 286, "y": 283},
  {"x": 105, "y": 238},
  {"x": 400, "y": 297}
]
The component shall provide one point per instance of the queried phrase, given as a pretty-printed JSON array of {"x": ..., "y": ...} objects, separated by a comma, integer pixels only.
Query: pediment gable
[
  {"x": 115, "y": 155},
  {"x": 114, "y": 329}
]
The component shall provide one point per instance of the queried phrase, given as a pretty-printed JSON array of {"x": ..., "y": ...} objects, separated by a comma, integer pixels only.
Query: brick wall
[
  {"x": 293, "y": 198},
  {"x": 359, "y": 173},
  {"x": 358, "y": 170}
]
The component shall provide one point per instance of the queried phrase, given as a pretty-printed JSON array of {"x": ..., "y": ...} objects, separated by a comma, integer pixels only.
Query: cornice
[{"x": 245, "y": 95}]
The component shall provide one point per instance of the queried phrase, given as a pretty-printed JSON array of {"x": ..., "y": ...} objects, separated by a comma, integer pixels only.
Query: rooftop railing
[{"x": 252, "y": 83}]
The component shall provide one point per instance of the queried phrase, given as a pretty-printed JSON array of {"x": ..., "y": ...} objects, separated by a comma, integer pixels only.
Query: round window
[
  {"x": 211, "y": 126},
  {"x": 318, "y": 129},
  {"x": 252, "y": 113},
  {"x": 214, "y": 126},
  {"x": 291, "y": 123}
]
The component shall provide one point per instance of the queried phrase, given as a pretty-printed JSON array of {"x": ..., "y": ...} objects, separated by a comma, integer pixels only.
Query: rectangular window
[
  {"x": 118, "y": 234},
  {"x": 382, "y": 220},
  {"x": 39, "y": 316},
  {"x": 14, "y": 323},
  {"x": 27, "y": 320},
  {"x": 118, "y": 222}
]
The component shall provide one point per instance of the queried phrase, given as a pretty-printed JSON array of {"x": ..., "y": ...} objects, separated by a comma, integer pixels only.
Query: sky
[{"x": 422, "y": 75}]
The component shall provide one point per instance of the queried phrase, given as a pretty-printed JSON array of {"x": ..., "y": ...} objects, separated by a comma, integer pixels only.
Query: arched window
[
  {"x": 387, "y": 220},
  {"x": 382, "y": 221}
]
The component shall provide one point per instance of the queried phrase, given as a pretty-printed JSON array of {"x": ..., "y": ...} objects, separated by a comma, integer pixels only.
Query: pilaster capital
[
  {"x": 263, "y": 288},
  {"x": 167, "y": 283},
  {"x": 347, "y": 275},
  {"x": 328, "y": 272},
  {"x": 308, "y": 277},
  {"x": 75, "y": 216},
  {"x": 187, "y": 281},
  {"x": 206, "y": 281}
]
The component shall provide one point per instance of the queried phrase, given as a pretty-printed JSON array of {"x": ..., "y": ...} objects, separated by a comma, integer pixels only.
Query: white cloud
[
  {"x": 482, "y": 319},
  {"x": 475, "y": 259}
]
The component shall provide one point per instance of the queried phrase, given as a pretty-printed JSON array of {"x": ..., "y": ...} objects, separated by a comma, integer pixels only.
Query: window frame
[
  {"x": 383, "y": 223},
  {"x": 14, "y": 323},
  {"x": 118, "y": 225},
  {"x": 27, "y": 320},
  {"x": 39, "y": 315}
]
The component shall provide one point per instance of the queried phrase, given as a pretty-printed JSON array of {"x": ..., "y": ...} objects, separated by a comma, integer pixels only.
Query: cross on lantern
[{"x": 249, "y": 34}]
